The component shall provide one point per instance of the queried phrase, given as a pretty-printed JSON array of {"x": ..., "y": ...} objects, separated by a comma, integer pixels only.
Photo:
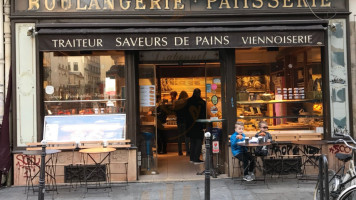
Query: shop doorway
[{"x": 164, "y": 147}]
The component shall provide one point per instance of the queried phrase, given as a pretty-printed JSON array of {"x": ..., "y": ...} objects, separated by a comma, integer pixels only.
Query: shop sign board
[
  {"x": 84, "y": 127},
  {"x": 176, "y": 7},
  {"x": 146, "y": 41}
]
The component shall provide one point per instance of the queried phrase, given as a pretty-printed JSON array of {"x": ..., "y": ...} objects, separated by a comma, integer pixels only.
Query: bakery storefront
[{"x": 101, "y": 70}]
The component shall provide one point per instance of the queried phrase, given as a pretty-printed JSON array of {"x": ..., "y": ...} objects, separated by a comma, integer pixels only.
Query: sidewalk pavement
[{"x": 220, "y": 189}]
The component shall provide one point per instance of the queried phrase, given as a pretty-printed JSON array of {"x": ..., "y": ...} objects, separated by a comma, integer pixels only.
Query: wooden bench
[
  {"x": 51, "y": 145},
  {"x": 285, "y": 137},
  {"x": 108, "y": 143},
  {"x": 91, "y": 144},
  {"x": 82, "y": 144},
  {"x": 119, "y": 143},
  {"x": 309, "y": 136}
]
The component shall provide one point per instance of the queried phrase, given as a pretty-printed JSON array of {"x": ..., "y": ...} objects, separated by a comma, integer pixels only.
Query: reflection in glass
[
  {"x": 338, "y": 78},
  {"x": 76, "y": 83}
]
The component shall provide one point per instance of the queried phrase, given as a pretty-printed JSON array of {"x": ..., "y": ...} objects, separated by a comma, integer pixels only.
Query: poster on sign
[
  {"x": 215, "y": 146},
  {"x": 84, "y": 127}
]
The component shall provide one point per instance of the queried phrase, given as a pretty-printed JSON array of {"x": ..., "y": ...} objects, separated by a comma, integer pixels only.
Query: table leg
[
  {"x": 29, "y": 178},
  {"x": 98, "y": 171}
]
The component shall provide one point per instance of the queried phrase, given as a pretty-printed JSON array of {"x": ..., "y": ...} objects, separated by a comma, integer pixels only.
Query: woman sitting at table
[
  {"x": 241, "y": 153},
  {"x": 263, "y": 150}
]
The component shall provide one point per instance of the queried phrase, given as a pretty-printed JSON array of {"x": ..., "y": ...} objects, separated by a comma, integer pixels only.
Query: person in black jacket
[
  {"x": 161, "y": 136},
  {"x": 195, "y": 109},
  {"x": 179, "y": 108}
]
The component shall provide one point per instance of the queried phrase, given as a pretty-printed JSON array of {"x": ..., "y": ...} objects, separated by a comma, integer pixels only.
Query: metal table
[
  {"x": 97, "y": 169},
  {"x": 50, "y": 169}
]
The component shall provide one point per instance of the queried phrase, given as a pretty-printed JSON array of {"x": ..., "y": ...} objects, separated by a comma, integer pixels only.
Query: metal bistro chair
[
  {"x": 66, "y": 147},
  {"x": 123, "y": 147},
  {"x": 261, "y": 167},
  {"x": 236, "y": 161}
]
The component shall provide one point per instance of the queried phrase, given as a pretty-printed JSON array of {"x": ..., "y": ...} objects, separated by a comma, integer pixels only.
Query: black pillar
[
  {"x": 42, "y": 184},
  {"x": 207, "y": 165}
]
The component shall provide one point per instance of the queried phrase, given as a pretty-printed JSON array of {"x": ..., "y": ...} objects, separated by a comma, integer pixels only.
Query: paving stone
[{"x": 221, "y": 189}]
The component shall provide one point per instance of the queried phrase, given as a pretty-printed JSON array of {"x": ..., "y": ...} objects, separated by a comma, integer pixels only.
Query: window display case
[{"x": 283, "y": 89}]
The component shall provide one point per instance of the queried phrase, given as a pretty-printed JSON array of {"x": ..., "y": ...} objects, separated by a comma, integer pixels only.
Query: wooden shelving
[{"x": 277, "y": 101}]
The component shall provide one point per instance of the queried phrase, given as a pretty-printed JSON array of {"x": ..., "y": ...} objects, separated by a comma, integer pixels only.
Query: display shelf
[
  {"x": 276, "y": 117},
  {"x": 79, "y": 101},
  {"x": 256, "y": 91},
  {"x": 277, "y": 101}
]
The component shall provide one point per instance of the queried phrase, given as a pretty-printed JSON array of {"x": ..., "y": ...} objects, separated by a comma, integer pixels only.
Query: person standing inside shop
[
  {"x": 179, "y": 108},
  {"x": 161, "y": 120},
  {"x": 196, "y": 109},
  {"x": 173, "y": 96},
  {"x": 241, "y": 153}
]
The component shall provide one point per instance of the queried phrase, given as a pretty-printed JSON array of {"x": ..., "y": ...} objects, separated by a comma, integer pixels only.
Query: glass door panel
[
  {"x": 148, "y": 114},
  {"x": 213, "y": 93},
  {"x": 160, "y": 86}
]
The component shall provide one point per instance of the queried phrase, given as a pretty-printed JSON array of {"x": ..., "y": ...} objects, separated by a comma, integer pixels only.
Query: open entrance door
[{"x": 164, "y": 145}]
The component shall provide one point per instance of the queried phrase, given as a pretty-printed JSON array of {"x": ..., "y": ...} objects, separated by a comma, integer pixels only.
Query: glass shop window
[
  {"x": 282, "y": 86},
  {"x": 94, "y": 85}
]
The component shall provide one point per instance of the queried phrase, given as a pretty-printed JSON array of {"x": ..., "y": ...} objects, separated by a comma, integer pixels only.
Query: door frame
[{"x": 228, "y": 76}]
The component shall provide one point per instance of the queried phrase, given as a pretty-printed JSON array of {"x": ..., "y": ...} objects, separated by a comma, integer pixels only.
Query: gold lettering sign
[
  {"x": 178, "y": 5},
  {"x": 325, "y": 3},
  {"x": 128, "y": 5},
  {"x": 66, "y": 4},
  {"x": 138, "y": 6},
  {"x": 50, "y": 4},
  {"x": 273, "y": 5},
  {"x": 33, "y": 4},
  {"x": 287, "y": 4},
  {"x": 257, "y": 5},
  {"x": 80, "y": 8}
]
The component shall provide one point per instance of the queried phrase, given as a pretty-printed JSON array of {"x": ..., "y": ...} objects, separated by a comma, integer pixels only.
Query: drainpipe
[
  {"x": 7, "y": 42},
  {"x": 2, "y": 60},
  {"x": 5, "y": 63}
]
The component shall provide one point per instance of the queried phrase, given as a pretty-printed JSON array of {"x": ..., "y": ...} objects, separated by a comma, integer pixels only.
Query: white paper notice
[
  {"x": 147, "y": 95},
  {"x": 51, "y": 132}
]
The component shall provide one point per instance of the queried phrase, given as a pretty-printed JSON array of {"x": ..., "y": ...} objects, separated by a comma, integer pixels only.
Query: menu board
[
  {"x": 84, "y": 127},
  {"x": 147, "y": 96}
]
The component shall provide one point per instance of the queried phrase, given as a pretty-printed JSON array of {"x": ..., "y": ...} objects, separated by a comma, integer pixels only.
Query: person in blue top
[{"x": 241, "y": 153}]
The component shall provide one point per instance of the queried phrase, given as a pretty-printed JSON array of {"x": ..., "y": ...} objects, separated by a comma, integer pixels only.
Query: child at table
[
  {"x": 241, "y": 153},
  {"x": 263, "y": 126}
]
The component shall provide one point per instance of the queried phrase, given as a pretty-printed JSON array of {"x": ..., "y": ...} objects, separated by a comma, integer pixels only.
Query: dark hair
[
  {"x": 183, "y": 95},
  {"x": 196, "y": 92},
  {"x": 173, "y": 93}
]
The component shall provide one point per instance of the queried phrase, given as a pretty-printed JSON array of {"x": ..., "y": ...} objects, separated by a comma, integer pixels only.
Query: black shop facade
[{"x": 122, "y": 62}]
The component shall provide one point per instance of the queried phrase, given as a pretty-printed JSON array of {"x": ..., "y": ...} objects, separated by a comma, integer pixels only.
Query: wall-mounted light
[
  {"x": 290, "y": 66},
  {"x": 31, "y": 31}
]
